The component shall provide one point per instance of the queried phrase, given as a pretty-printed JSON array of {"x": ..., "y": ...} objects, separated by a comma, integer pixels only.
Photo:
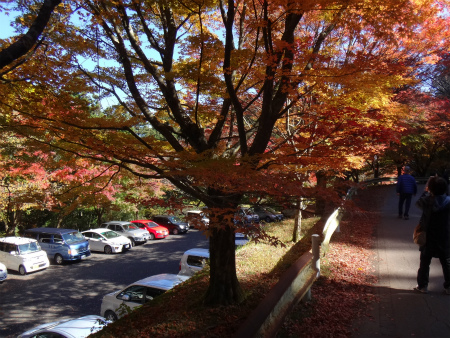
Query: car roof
[
  {"x": 117, "y": 222},
  {"x": 167, "y": 216},
  {"x": 164, "y": 281},
  {"x": 98, "y": 230},
  {"x": 143, "y": 220},
  {"x": 198, "y": 252},
  {"x": 77, "y": 327},
  {"x": 194, "y": 212},
  {"x": 17, "y": 240},
  {"x": 52, "y": 230}
]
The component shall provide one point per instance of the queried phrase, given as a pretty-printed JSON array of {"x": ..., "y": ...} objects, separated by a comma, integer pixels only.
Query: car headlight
[{"x": 72, "y": 252}]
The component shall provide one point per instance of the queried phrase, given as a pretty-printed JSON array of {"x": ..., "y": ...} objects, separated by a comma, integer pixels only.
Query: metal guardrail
[{"x": 296, "y": 283}]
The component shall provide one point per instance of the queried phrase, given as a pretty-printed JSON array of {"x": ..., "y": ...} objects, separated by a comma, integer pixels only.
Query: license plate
[{"x": 83, "y": 256}]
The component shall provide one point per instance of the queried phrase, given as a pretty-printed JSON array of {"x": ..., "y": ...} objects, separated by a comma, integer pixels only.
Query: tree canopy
[{"x": 223, "y": 99}]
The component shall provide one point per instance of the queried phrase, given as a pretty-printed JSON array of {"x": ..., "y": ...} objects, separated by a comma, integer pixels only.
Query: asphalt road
[
  {"x": 400, "y": 311},
  {"x": 76, "y": 289}
]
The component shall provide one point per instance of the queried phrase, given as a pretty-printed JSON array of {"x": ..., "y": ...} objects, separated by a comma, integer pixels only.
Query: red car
[{"x": 155, "y": 230}]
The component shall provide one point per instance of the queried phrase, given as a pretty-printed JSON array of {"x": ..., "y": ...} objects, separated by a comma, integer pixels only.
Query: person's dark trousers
[
  {"x": 406, "y": 199},
  {"x": 445, "y": 262},
  {"x": 423, "y": 274}
]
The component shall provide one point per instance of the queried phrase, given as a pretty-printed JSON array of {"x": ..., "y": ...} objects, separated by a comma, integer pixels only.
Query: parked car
[
  {"x": 106, "y": 240},
  {"x": 69, "y": 328},
  {"x": 196, "y": 219},
  {"x": 3, "y": 272},
  {"x": 116, "y": 304},
  {"x": 61, "y": 244},
  {"x": 264, "y": 214},
  {"x": 129, "y": 230},
  {"x": 245, "y": 216},
  {"x": 173, "y": 223},
  {"x": 154, "y": 230},
  {"x": 22, "y": 254},
  {"x": 193, "y": 260},
  {"x": 278, "y": 214}
]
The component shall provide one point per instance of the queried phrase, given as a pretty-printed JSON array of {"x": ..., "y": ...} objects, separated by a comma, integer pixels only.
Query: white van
[
  {"x": 22, "y": 254},
  {"x": 192, "y": 261}
]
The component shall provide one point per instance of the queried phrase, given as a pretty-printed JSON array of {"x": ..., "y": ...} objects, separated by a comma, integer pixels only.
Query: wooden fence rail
[{"x": 295, "y": 284}]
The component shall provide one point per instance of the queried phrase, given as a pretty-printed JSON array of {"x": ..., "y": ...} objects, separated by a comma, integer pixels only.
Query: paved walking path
[{"x": 402, "y": 312}]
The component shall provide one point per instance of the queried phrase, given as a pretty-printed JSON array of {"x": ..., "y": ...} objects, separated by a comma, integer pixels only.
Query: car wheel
[
  {"x": 108, "y": 250},
  {"x": 175, "y": 231},
  {"x": 133, "y": 243},
  {"x": 22, "y": 270},
  {"x": 110, "y": 316},
  {"x": 58, "y": 259},
  {"x": 152, "y": 237},
  {"x": 267, "y": 219}
]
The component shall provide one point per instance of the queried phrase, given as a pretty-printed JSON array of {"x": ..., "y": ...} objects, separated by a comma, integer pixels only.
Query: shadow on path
[{"x": 400, "y": 311}]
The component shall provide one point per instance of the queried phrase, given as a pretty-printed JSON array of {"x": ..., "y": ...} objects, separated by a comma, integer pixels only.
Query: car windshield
[
  {"x": 151, "y": 224},
  {"x": 129, "y": 227},
  {"x": 174, "y": 219},
  {"x": 110, "y": 234},
  {"x": 29, "y": 247},
  {"x": 73, "y": 237}
]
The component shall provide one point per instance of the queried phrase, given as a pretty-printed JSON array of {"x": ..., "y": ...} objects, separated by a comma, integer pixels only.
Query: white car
[
  {"x": 106, "y": 240},
  {"x": 192, "y": 261},
  {"x": 22, "y": 254},
  {"x": 117, "y": 304},
  {"x": 70, "y": 328},
  {"x": 3, "y": 272}
]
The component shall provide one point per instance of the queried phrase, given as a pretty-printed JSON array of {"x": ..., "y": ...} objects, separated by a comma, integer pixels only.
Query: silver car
[
  {"x": 69, "y": 328},
  {"x": 129, "y": 230},
  {"x": 118, "y": 303}
]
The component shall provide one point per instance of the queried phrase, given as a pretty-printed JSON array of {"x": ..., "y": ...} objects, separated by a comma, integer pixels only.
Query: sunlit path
[{"x": 401, "y": 312}]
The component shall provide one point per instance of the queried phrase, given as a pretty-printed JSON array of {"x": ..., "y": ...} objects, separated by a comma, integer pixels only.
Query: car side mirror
[{"x": 125, "y": 297}]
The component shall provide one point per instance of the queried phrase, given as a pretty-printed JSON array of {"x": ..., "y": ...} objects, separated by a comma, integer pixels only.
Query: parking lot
[{"x": 76, "y": 289}]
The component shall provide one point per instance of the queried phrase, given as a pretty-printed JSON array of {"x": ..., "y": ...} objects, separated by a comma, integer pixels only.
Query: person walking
[
  {"x": 436, "y": 219},
  {"x": 406, "y": 188}
]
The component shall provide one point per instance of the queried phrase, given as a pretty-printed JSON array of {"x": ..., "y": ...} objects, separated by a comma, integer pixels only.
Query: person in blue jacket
[{"x": 406, "y": 188}]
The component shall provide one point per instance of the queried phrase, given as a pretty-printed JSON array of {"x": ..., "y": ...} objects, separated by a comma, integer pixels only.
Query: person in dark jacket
[
  {"x": 436, "y": 218},
  {"x": 406, "y": 188}
]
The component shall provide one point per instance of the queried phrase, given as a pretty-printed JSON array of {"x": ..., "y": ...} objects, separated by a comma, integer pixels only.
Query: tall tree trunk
[
  {"x": 11, "y": 222},
  {"x": 376, "y": 167},
  {"x": 99, "y": 212},
  {"x": 298, "y": 221},
  {"x": 224, "y": 287},
  {"x": 320, "y": 199}
]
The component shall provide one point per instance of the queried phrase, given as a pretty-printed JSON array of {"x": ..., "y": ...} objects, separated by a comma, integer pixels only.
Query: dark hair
[{"x": 437, "y": 186}]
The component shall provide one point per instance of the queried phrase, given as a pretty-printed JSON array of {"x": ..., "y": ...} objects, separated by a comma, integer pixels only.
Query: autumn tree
[{"x": 202, "y": 90}]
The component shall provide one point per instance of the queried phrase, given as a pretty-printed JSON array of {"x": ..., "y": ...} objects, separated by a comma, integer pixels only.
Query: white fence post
[{"x": 316, "y": 252}]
